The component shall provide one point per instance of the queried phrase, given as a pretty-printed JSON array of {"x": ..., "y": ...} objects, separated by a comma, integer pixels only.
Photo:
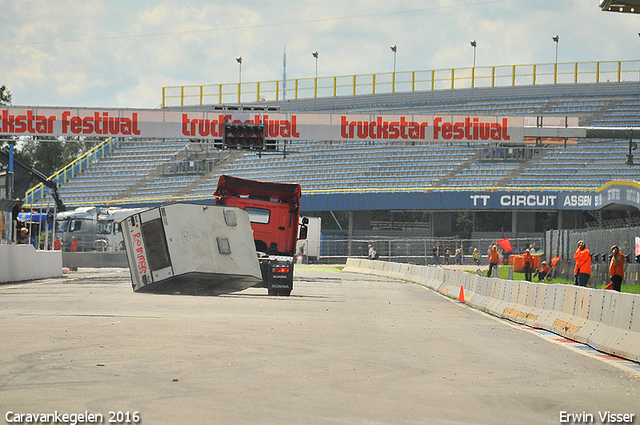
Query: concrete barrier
[
  {"x": 608, "y": 321},
  {"x": 553, "y": 301},
  {"x": 573, "y": 314},
  {"x": 481, "y": 296},
  {"x": 95, "y": 259},
  {"x": 24, "y": 262},
  {"x": 353, "y": 266}
]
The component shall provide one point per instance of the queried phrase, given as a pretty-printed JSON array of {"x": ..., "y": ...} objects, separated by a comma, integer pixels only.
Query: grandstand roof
[{"x": 621, "y": 6}]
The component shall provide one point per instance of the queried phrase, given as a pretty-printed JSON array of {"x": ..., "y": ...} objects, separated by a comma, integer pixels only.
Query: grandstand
[
  {"x": 141, "y": 172},
  {"x": 392, "y": 175}
]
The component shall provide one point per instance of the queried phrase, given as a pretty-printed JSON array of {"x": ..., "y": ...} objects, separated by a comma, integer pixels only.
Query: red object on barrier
[
  {"x": 609, "y": 286},
  {"x": 461, "y": 296}
]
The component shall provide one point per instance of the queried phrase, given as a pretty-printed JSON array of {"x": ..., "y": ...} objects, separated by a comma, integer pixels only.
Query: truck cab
[{"x": 274, "y": 212}]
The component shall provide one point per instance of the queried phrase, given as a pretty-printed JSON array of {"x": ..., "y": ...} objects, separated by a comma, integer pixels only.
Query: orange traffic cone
[{"x": 461, "y": 296}]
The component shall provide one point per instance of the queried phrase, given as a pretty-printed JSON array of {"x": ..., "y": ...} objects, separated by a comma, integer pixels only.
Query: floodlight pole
[
  {"x": 315, "y": 82},
  {"x": 394, "y": 49},
  {"x": 315, "y": 55},
  {"x": 239, "y": 60},
  {"x": 556, "y": 39},
  {"x": 474, "y": 44}
]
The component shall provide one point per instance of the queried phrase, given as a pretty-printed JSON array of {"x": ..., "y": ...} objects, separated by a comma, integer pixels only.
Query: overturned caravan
[{"x": 191, "y": 249}]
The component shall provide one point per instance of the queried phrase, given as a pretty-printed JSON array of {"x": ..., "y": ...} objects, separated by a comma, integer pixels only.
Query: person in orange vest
[
  {"x": 583, "y": 264},
  {"x": 57, "y": 245},
  {"x": 616, "y": 268},
  {"x": 74, "y": 244},
  {"x": 543, "y": 271},
  {"x": 493, "y": 261},
  {"x": 527, "y": 260}
]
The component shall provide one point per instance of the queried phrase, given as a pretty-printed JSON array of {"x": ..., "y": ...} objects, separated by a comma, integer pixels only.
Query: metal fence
[
  {"x": 403, "y": 81},
  {"x": 563, "y": 243},
  {"x": 338, "y": 247}
]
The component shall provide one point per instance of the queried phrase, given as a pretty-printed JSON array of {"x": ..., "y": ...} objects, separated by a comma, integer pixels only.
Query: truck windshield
[
  {"x": 258, "y": 215},
  {"x": 61, "y": 226},
  {"x": 104, "y": 227}
]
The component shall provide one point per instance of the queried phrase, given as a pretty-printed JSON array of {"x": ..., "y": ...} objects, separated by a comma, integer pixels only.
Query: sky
[{"x": 120, "y": 53}]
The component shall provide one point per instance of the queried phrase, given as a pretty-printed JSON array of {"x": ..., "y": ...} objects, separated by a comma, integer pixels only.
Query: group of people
[
  {"x": 582, "y": 270},
  {"x": 446, "y": 255},
  {"x": 373, "y": 254},
  {"x": 582, "y": 258}
]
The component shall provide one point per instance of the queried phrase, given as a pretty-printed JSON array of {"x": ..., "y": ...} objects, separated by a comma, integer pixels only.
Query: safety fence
[
  {"x": 403, "y": 81},
  {"x": 608, "y": 321},
  {"x": 337, "y": 247},
  {"x": 563, "y": 244}
]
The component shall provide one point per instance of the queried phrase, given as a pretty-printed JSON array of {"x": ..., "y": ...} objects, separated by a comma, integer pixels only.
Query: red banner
[{"x": 181, "y": 124}]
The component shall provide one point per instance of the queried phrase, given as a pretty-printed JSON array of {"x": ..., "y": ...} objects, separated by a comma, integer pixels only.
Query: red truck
[{"x": 274, "y": 212}]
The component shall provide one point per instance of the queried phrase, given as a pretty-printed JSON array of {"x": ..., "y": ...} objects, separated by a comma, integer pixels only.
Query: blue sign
[{"x": 447, "y": 200}]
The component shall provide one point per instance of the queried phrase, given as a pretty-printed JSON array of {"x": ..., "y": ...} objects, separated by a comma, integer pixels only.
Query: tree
[
  {"x": 5, "y": 96},
  {"x": 45, "y": 154},
  {"x": 463, "y": 222},
  {"x": 5, "y": 99},
  {"x": 48, "y": 155}
]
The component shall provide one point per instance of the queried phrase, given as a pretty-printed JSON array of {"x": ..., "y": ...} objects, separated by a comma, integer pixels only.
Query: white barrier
[
  {"x": 23, "y": 262},
  {"x": 608, "y": 321}
]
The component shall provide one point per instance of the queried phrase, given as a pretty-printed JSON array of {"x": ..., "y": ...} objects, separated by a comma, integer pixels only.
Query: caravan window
[{"x": 155, "y": 243}]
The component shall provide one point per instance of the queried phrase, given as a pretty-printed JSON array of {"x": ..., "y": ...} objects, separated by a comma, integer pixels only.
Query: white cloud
[{"x": 121, "y": 52}]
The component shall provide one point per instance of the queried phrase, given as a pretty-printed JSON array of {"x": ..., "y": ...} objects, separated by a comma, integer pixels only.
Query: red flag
[{"x": 505, "y": 244}]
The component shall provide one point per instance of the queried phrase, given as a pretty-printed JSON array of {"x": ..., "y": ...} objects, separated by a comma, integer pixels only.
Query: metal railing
[
  {"x": 404, "y": 81},
  {"x": 411, "y": 250}
]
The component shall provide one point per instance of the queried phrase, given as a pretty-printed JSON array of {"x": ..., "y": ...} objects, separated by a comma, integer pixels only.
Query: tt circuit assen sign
[
  {"x": 452, "y": 200},
  {"x": 172, "y": 124}
]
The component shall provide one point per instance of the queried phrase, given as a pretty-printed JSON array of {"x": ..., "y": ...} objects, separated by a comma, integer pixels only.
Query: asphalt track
[{"x": 343, "y": 349}]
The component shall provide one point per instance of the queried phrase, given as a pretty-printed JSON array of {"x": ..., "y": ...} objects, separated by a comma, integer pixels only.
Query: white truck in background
[
  {"x": 312, "y": 243},
  {"x": 95, "y": 229}
]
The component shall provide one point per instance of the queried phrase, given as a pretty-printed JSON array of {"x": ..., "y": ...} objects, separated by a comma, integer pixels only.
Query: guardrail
[
  {"x": 608, "y": 321},
  {"x": 70, "y": 170},
  {"x": 403, "y": 81}
]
